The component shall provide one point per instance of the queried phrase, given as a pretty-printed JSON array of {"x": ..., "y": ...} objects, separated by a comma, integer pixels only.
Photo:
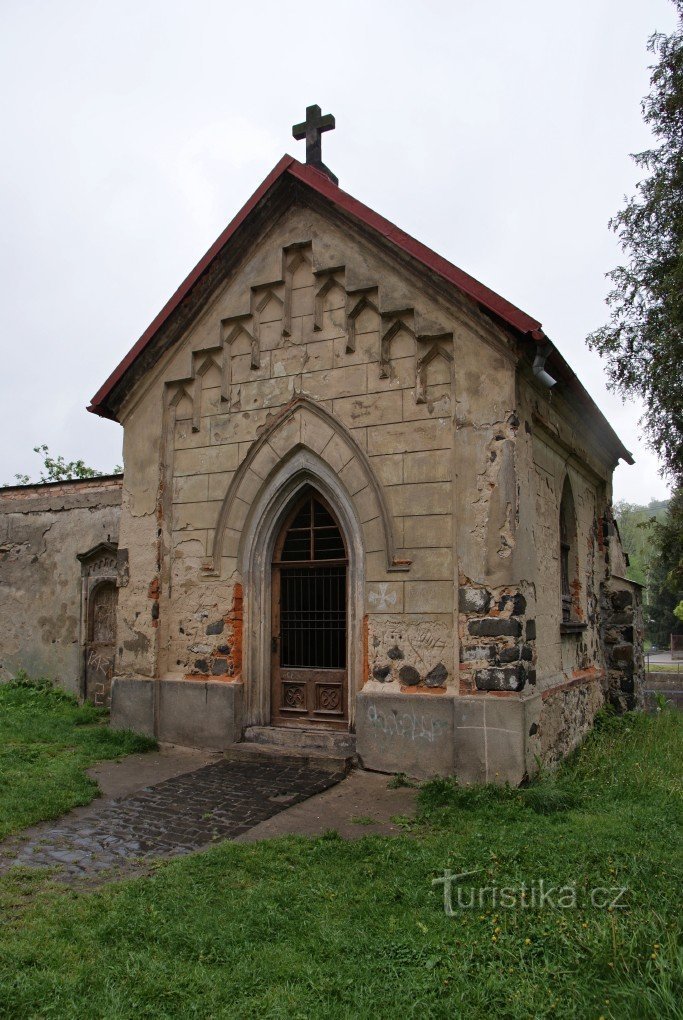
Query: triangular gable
[{"x": 318, "y": 182}]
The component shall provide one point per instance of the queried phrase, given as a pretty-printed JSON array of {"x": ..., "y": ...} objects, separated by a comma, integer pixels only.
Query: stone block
[
  {"x": 495, "y": 626},
  {"x": 336, "y": 382},
  {"x": 315, "y": 433},
  {"x": 514, "y": 605},
  {"x": 384, "y": 597},
  {"x": 623, "y": 654},
  {"x": 368, "y": 410},
  {"x": 205, "y": 460},
  {"x": 431, "y": 434},
  {"x": 405, "y": 733},
  {"x": 432, "y": 564},
  {"x": 477, "y": 653},
  {"x": 353, "y": 477},
  {"x": 474, "y": 600},
  {"x": 191, "y": 489},
  {"x": 428, "y": 531},
  {"x": 415, "y": 500},
  {"x": 219, "y": 483},
  {"x": 200, "y": 713},
  {"x": 388, "y": 468},
  {"x": 506, "y": 678},
  {"x": 621, "y": 599},
  {"x": 132, "y": 705},
  {"x": 196, "y": 516},
  {"x": 427, "y": 465},
  {"x": 428, "y": 596}
]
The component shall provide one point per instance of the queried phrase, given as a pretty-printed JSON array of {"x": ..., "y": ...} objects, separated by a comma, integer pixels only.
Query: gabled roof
[
  {"x": 290, "y": 169},
  {"x": 320, "y": 183}
]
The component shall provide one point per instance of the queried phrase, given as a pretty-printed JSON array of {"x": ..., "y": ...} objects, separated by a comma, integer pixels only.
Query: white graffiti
[
  {"x": 100, "y": 663},
  {"x": 408, "y": 725},
  {"x": 383, "y": 598}
]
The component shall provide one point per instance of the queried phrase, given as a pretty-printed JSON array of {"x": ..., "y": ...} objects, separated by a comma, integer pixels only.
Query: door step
[{"x": 334, "y": 752}]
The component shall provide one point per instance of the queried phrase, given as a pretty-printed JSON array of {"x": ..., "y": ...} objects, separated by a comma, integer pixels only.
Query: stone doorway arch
[{"x": 300, "y": 471}]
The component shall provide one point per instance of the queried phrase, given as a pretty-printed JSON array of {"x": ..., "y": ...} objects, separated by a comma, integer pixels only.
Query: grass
[
  {"x": 47, "y": 741},
  {"x": 664, "y": 667},
  {"x": 327, "y": 928}
]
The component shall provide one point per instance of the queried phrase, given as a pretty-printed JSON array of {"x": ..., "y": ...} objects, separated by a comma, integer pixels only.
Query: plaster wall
[{"x": 42, "y": 529}]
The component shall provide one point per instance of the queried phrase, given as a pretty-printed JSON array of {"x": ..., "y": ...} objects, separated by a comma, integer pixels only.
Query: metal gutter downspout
[{"x": 542, "y": 355}]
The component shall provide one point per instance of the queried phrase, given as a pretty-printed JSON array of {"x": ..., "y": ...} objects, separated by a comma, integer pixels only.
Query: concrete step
[
  {"x": 334, "y": 752},
  {"x": 302, "y": 738}
]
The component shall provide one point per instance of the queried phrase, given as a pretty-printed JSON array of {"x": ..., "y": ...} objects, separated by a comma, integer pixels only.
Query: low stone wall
[
  {"x": 191, "y": 713},
  {"x": 43, "y": 528}
]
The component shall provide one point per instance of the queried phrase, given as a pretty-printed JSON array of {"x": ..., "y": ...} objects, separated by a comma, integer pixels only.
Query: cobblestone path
[{"x": 176, "y": 816}]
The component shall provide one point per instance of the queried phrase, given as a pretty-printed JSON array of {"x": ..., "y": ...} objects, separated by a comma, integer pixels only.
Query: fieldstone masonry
[{"x": 316, "y": 346}]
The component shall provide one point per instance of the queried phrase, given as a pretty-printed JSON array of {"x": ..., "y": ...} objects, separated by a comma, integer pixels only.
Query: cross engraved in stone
[{"x": 311, "y": 129}]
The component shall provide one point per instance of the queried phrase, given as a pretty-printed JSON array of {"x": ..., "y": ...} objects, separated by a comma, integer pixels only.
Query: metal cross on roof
[{"x": 311, "y": 129}]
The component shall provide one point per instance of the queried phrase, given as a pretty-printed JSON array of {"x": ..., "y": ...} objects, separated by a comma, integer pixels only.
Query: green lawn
[
  {"x": 47, "y": 741},
  {"x": 326, "y": 928}
]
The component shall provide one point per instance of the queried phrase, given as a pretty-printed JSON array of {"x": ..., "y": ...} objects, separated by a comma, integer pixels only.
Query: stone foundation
[{"x": 193, "y": 713}]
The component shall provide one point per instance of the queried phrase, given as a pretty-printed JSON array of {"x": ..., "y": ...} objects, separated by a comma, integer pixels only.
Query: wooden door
[
  {"x": 308, "y": 668},
  {"x": 100, "y": 646}
]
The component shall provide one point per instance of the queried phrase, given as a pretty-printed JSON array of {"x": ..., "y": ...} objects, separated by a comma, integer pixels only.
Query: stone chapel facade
[{"x": 365, "y": 500}]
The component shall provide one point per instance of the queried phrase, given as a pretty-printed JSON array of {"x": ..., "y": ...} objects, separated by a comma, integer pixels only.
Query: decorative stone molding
[
  {"x": 303, "y": 425},
  {"x": 391, "y": 322},
  {"x": 301, "y": 468}
]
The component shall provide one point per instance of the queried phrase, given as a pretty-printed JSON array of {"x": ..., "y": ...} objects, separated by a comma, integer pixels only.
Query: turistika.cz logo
[{"x": 534, "y": 895}]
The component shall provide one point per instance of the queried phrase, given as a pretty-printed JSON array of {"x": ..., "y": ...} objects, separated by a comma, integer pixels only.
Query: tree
[
  {"x": 636, "y": 533},
  {"x": 56, "y": 469},
  {"x": 643, "y": 341},
  {"x": 665, "y": 589}
]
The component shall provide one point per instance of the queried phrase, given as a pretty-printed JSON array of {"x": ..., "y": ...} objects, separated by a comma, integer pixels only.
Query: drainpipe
[{"x": 542, "y": 355}]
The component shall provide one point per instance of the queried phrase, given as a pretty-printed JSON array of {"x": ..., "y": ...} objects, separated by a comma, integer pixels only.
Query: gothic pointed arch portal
[{"x": 301, "y": 476}]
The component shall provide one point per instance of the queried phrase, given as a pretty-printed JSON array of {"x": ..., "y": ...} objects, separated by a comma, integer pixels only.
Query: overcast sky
[{"x": 497, "y": 133}]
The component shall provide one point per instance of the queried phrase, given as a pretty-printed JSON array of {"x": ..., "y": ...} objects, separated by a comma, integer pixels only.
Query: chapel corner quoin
[{"x": 352, "y": 510}]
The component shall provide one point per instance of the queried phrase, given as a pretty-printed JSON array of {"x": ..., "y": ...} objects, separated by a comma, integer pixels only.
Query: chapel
[{"x": 366, "y": 505}]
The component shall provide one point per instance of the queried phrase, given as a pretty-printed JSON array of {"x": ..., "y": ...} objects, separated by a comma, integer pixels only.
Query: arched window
[{"x": 569, "y": 567}]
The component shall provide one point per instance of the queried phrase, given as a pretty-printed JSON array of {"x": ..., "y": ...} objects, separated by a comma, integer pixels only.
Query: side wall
[{"x": 42, "y": 530}]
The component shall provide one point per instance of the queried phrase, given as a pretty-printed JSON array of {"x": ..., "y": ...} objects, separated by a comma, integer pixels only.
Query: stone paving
[{"x": 177, "y": 816}]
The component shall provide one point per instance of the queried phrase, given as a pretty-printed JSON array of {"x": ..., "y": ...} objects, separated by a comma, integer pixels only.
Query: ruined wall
[{"x": 42, "y": 530}]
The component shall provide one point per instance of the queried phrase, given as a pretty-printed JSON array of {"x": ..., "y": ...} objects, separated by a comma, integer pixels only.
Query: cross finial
[{"x": 311, "y": 129}]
